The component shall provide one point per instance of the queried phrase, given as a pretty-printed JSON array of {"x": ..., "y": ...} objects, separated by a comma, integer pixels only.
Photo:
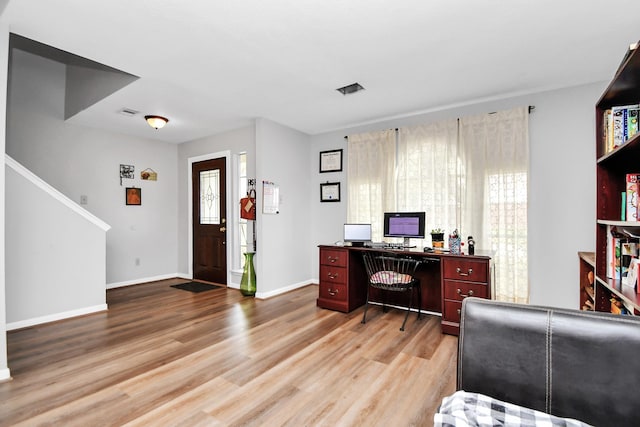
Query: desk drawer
[
  {"x": 451, "y": 312},
  {"x": 465, "y": 269},
  {"x": 459, "y": 290},
  {"x": 335, "y": 257},
  {"x": 333, "y": 292},
  {"x": 331, "y": 274}
]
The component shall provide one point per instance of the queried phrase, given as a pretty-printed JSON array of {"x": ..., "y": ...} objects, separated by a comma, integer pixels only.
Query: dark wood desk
[{"x": 445, "y": 280}]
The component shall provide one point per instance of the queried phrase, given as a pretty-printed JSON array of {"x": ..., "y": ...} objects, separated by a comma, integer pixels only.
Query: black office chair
[{"x": 391, "y": 273}]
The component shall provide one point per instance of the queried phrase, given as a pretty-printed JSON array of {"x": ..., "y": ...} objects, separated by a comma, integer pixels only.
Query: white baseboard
[
  {"x": 279, "y": 291},
  {"x": 147, "y": 279},
  {"x": 5, "y": 375},
  {"x": 55, "y": 317}
]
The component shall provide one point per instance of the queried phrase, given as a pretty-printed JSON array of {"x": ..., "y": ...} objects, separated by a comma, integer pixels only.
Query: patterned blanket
[{"x": 463, "y": 409}]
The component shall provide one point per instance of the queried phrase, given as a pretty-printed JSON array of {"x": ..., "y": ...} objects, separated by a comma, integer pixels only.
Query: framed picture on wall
[
  {"x": 330, "y": 192},
  {"x": 331, "y": 161},
  {"x": 133, "y": 196}
]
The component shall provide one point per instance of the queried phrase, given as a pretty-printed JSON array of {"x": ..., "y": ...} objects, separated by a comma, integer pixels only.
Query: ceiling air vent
[
  {"x": 352, "y": 88},
  {"x": 128, "y": 112}
]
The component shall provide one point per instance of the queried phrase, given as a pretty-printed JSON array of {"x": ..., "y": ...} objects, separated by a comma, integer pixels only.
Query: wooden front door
[{"x": 209, "y": 221}]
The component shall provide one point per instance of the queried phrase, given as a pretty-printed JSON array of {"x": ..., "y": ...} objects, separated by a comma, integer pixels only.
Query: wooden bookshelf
[{"x": 612, "y": 166}]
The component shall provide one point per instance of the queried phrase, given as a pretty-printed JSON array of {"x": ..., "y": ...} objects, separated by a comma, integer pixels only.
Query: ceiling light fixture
[{"x": 156, "y": 122}]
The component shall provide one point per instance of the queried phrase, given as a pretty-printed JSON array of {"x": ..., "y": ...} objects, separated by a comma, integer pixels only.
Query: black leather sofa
[{"x": 569, "y": 363}]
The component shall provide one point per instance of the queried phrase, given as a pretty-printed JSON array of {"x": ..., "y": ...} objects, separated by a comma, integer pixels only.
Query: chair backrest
[
  {"x": 570, "y": 363},
  {"x": 379, "y": 265}
]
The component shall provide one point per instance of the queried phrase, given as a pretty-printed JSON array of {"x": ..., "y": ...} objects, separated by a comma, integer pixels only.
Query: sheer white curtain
[
  {"x": 428, "y": 173},
  {"x": 494, "y": 155},
  {"x": 371, "y": 178},
  {"x": 469, "y": 174}
]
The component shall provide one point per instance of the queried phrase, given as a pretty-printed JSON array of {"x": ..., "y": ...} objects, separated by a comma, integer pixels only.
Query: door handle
[{"x": 223, "y": 229}]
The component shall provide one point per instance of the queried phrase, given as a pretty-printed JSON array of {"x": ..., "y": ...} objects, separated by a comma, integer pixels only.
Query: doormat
[{"x": 195, "y": 287}]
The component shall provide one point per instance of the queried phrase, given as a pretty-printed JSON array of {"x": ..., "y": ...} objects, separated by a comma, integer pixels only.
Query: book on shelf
[
  {"x": 620, "y": 123},
  {"x": 631, "y": 196},
  {"x": 632, "y": 122},
  {"x": 631, "y": 279},
  {"x": 617, "y": 306},
  {"x": 621, "y": 249},
  {"x": 607, "y": 129}
]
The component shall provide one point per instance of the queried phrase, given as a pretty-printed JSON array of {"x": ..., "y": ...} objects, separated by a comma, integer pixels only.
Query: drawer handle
[
  {"x": 332, "y": 275},
  {"x": 333, "y": 293},
  {"x": 459, "y": 292},
  {"x": 332, "y": 259},
  {"x": 459, "y": 271}
]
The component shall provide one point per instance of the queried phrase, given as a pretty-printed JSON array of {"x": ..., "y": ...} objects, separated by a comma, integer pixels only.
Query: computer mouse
[{"x": 428, "y": 249}]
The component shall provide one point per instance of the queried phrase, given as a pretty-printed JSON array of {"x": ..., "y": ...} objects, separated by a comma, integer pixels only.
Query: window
[
  {"x": 242, "y": 223},
  {"x": 468, "y": 174},
  {"x": 210, "y": 197}
]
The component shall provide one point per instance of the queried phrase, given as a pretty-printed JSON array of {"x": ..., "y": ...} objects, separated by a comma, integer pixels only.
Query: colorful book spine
[
  {"x": 618, "y": 126},
  {"x": 633, "y": 181},
  {"x": 632, "y": 121},
  {"x": 623, "y": 124},
  {"x": 613, "y": 256},
  {"x": 607, "y": 130},
  {"x": 620, "y": 253}
]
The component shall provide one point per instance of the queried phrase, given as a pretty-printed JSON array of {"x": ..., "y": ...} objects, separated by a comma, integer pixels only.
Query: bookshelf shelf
[
  {"x": 623, "y": 154},
  {"x": 612, "y": 166},
  {"x": 626, "y": 294},
  {"x": 631, "y": 225}
]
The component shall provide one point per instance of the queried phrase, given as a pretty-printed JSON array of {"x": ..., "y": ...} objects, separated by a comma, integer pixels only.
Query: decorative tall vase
[{"x": 248, "y": 282}]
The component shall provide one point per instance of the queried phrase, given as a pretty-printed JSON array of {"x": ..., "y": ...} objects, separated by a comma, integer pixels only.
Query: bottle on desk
[{"x": 471, "y": 244}]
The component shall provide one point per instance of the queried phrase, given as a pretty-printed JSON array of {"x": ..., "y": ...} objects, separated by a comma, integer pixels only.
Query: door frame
[{"x": 231, "y": 222}]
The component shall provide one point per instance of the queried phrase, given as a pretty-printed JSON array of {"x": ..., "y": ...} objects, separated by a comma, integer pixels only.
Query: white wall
[
  {"x": 81, "y": 161},
  {"x": 4, "y": 66},
  {"x": 54, "y": 255},
  {"x": 284, "y": 257},
  {"x": 562, "y": 184}
]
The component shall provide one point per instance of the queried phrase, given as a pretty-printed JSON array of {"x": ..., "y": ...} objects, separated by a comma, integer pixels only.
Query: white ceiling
[{"x": 212, "y": 66}]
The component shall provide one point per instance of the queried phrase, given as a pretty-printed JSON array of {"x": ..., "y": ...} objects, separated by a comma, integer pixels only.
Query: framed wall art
[
  {"x": 330, "y": 192},
  {"x": 126, "y": 171},
  {"x": 331, "y": 161},
  {"x": 133, "y": 196}
]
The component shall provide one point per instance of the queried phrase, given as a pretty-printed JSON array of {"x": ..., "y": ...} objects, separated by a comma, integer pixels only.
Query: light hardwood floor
[{"x": 167, "y": 357}]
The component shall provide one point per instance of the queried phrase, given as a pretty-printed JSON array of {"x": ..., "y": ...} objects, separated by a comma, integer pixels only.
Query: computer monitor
[
  {"x": 357, "y": 234},
  {"x": 408, "y": 225}
]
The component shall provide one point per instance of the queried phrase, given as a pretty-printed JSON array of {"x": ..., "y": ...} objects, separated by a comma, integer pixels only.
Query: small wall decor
[
  {"x": 330, "y": 192},
  {"x": 331, "y": 161},
  {"x": 126, "y": 171},
  {"x": 133, "y": 196},
  {"x": 149, "y": 175},
  {"x": 270, "y": 198}
]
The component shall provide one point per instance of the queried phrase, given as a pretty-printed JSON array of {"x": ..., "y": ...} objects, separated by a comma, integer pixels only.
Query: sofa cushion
[{"x": 473, "y": 409}]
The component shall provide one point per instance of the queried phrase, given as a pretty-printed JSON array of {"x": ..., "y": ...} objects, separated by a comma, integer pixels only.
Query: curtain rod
[
  {"x": 347, "y": 136},
  {"x": 531, "y": 109}
]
